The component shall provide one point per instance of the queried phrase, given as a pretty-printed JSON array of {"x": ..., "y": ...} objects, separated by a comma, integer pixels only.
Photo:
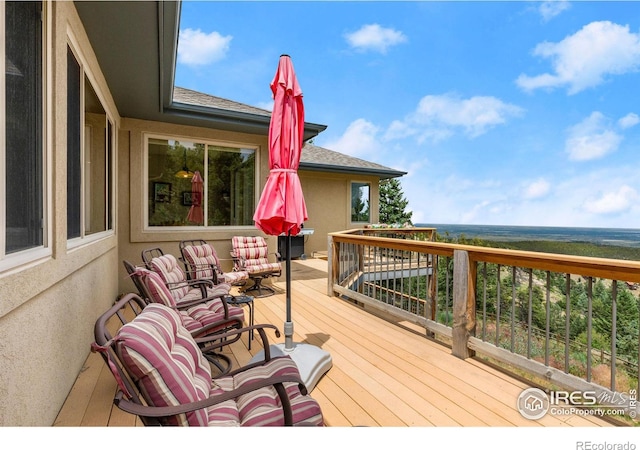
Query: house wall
[
  {"x": 49, "y": 304},
  {"x": 327, "y": 197},
  {"x": 133, "y": 238},
  {"x": 328, "y": 200}
]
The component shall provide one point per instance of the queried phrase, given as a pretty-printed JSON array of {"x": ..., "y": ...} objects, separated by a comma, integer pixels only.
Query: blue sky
[{"x": 502, "y": 113}]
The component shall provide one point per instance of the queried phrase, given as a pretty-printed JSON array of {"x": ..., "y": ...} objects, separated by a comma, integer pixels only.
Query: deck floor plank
[{"x": 384, "y": 374}]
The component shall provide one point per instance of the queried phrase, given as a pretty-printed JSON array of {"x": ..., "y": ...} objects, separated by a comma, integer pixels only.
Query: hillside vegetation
[{"x": 566, "y": 248}]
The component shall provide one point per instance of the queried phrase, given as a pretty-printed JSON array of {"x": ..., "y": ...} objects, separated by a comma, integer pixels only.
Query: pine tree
[{"x": 393, "y": 204}]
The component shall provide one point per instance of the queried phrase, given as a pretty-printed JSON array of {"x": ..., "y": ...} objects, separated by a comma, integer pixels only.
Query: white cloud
[
  {"x": 613, "y": 202},
  {"x": 359, "y": 139},
  {"x": 374, "y": 37},
  {"x": 629, "y": 121},
  {"x": 196, "y": 48},
  {"x": 584, "y": 59},
  {"x": 604, "y": 197},
  {"x": 550, "y": 9},
  {"x": 437, "y": 117},
  {"x": 536, "y": 189},
  {"x": 592, "y": 138}
]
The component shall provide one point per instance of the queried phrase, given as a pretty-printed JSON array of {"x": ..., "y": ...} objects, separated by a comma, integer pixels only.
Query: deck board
[{"x": 384, "y": 374}]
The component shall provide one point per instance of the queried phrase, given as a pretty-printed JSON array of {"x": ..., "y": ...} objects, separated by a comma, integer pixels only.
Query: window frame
[
  {"x": 350, "y": 205},
  {"x": 43, "y": 251},
  {"x": 110, "y": 153},
  {"x": 207, "y": 142}
]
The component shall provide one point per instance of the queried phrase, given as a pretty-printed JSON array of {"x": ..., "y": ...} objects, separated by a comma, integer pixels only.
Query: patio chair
[
  {"x": 251, "y": 254},
  {"x": 202, "y": 317},
  {"x": 201, "y": 261},
  {"x": 163, "y": 378},
  {"x": 167, "y": 266}
]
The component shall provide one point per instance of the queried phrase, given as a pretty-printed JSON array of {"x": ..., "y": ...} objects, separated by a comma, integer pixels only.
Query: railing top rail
[
  {"x": 438, "y": 248},
  {"x": 615, "y": 269}
]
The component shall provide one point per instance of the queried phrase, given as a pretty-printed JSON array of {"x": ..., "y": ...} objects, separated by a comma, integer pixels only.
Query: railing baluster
[
  {"x": 530, "y": 314},
  {"x": 448, "y": 293},
  {"x": 484, "y": 301},
  {"x": 498, "y": 302},
  {"x": 513, "y": 308},
  {"x": 567, "y": 322},
  {"x": 589, "y": 325},
  {"x": 547, "y": 321},
  {"x": 614, "y": 333}
]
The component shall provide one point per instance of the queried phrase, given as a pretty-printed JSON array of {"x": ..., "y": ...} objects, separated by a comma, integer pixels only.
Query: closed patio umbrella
[
  {"x": 196, "y": 214},
  {"x": 281, "y": 209}
]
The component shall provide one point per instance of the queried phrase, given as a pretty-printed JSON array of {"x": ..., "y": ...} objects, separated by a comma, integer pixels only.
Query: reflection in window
[
  {"x": 96, "y": 163},
  {"x": 223, "y": 193},
  {"x": 360, "y": 202},
  {"x": 231, "y": 186}
]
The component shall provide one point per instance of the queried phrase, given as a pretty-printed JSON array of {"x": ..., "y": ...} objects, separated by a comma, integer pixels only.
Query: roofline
[
  {"x": 258, "y": 122},
  {"x": 382, "y": 173}
]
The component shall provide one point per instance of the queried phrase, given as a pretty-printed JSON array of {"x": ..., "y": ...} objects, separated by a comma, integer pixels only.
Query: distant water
[{"x": 621, "y": 237}]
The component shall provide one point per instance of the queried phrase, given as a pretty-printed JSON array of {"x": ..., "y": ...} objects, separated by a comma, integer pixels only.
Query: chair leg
[
  {"x": 257, "y": 286},
  {"x": 219, "y": 361}
]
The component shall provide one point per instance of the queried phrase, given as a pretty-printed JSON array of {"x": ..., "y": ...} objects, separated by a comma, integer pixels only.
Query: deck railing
[{"x": 570, "y": 321}]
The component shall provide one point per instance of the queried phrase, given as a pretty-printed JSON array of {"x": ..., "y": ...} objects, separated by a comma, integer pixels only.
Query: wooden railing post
[
  {"x": 464, "y": 317},
  {"x": 333, "y": 258}
]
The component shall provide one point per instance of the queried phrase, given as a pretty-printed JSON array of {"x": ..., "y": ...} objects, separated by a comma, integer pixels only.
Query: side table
[{"x": 241, "y": 300}]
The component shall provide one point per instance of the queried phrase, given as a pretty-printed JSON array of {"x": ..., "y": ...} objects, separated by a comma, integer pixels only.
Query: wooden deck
[{"x": 384, "y": 374}]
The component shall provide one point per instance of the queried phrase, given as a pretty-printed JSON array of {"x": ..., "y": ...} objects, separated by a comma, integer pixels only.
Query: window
[
  {"x": 199, "y": 184},
  {"x": 360, "y": 202},
  {"x": 22, "y": 155},
  {"x": 89, "y": 156}
]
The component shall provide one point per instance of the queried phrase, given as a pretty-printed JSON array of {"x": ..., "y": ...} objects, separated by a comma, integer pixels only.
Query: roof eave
[
  {"x": 253, "y": 123},
  {"x": 382, "y": 173}
]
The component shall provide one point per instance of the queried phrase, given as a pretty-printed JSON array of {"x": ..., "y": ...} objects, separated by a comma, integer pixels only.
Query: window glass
[
  {"x": 360, "y": 202},
  {"x": 74, "y": 173},
  {"x": 96, "y": 162},
  {"x": 182, "y": 191},
  {"x": 89, "y": 156},
  {"x": 231, "y": 186},
  {"x": 24, "y": 201},
  {"x": 171, "y": 168}
]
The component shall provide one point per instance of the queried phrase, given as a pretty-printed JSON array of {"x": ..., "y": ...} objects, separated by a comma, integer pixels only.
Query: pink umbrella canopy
[
  {"x": 196, "y": 214},
  {"x": 281, "y": 209}
]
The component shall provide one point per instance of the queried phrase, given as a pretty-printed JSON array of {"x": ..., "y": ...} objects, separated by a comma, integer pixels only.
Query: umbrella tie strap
[{"x": 282, "y": 171}]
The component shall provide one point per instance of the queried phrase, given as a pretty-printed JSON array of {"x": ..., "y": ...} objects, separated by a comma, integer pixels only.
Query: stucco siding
[{"x": 49, "y": 304}]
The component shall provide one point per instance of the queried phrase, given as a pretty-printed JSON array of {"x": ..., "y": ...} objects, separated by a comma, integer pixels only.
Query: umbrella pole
[{"x": 288, "y": 325}]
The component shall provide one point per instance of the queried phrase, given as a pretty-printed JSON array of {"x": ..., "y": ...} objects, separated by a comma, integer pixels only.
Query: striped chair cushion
[
  {"x": 168, "y": 366},
  {"x": 201, "y": 259},
  {"x": 261, "y": 265},
  {"x": 234, "y": 277},
  {"x": 208, "y": 313},
  {"x": 250, "y": 247},
  {"x": 195, "y": 317},
  {"x": 253, "y": 250},
  {"x": 167, "y": 267},
  {"x": 166, "y": 362},
  {"x": 156, "y": 286}
]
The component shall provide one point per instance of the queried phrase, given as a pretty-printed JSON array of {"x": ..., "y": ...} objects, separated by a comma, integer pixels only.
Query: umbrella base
[{"x": 312, "y": 361}]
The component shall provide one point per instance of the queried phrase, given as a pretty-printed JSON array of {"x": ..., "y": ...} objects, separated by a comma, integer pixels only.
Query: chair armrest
[
  {"x": 204, "y": 334},
  {"x": 202, "y": 284},
  {"x": 219, "y": 340},
  {"x": 165, "y": 411}
]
